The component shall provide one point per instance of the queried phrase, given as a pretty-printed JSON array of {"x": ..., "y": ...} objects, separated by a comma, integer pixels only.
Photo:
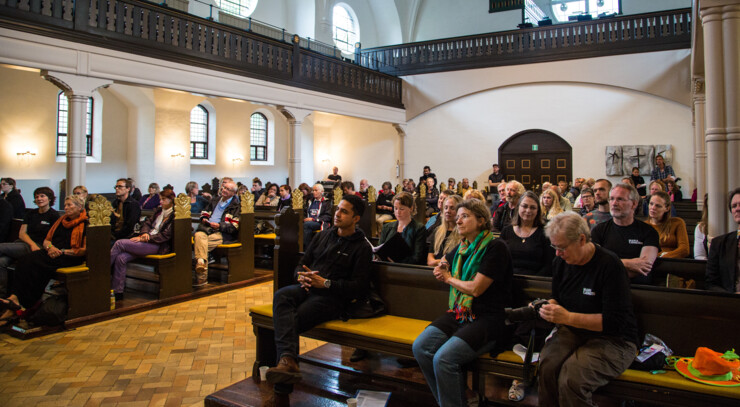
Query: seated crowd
[{"x": 591, "y": 226}]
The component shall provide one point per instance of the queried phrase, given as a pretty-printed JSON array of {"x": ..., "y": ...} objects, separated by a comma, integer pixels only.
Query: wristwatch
[{"x": 327, "y": 283}]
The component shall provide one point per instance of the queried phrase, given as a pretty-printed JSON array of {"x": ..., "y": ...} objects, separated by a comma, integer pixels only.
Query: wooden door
[{"x": 536, "y": 156}]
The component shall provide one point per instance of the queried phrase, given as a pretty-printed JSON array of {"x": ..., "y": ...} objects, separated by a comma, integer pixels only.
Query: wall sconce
[
  {"x": 236, "y": 160},
  {"x": 24, "y": 158},
  {"x": 26, "y": 154},
  {"x": 178, "y": 155}
]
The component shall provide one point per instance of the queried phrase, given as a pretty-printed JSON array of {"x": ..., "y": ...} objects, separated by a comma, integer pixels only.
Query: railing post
[
  {"x": 81, "y": 14},
  {"x": 296, "y": 57},
  {"x": 210, "y": 12},
  {"x": 358, "y": 55}
]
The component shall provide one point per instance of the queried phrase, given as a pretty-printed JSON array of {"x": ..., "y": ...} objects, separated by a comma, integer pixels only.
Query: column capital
[
  {"x": 294, "y": 115},
  {"x": 400, "y": 128},
  {"x": 72, "y": 84}
]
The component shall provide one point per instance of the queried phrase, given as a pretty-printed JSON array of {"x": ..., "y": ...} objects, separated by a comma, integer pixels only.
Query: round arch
[{"x": 535, "y": 156}]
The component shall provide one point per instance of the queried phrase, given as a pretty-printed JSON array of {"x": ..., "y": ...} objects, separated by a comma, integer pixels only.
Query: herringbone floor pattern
[{"x": 169, "y": 356}]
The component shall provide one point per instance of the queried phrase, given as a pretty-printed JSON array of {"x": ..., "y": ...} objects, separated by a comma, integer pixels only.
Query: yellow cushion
[
  {"x": 389, "y": 221},
  {"x": 264, "y": 309},
  {"x": 229, "y": 246},
  {"x": 160, "y": 256},
  {"x": 76, "y": 269},
  {"x": 268, "y": 236},
  {"x": 674, "y": 380}
]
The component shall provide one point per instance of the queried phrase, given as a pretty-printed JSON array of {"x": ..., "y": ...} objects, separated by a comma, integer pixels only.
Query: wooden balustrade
[
  {"x": 152, "y": 30},
  {"x": 608, "y": 36}
]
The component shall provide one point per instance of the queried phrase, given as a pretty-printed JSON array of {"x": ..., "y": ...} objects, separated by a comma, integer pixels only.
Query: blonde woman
[
  {"x": 444, "y": 237},
  {"x": 550, "y": 202}
]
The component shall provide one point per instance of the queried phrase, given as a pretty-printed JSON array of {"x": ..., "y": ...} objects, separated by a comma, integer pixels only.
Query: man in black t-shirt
[
  {"x": 494, "y": 180},
  {"x": 334, "y": 176},
  {"x": 596, "y": 336},
  {"x": 633, "y": 241}
]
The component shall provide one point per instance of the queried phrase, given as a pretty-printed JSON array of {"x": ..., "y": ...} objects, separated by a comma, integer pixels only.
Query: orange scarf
[{"x": 78, "y": 229}]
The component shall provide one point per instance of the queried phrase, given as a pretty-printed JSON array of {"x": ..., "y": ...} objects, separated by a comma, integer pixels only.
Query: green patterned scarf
[{"x": 464, "y": 267}]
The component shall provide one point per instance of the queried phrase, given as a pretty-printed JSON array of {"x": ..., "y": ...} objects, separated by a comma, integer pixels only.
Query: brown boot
[
  {"x": 201, "y": 274},
  {"x": 286, "y": 371}
]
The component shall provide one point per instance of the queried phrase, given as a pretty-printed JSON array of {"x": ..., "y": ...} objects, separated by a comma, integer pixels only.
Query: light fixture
[
  {"x": 178, "y": 155},
  {"x": 26, "y": 154}
]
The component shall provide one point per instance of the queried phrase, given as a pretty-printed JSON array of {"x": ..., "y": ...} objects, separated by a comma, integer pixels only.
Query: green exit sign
[{"x": 535, "y": 147}]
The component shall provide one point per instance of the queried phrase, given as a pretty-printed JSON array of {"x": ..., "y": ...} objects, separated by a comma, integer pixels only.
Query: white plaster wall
[
  {"x": 360, "y": 148},
  {"x": 461, "y": 138},
  {"x": 453, "y": 18},
  {"x": 642, "y": 6},
  {"x": 272, "y": 12},
  {"x": 301, "y": 17}
]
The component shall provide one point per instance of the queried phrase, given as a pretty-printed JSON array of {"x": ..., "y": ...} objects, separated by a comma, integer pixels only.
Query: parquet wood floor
[{"x": 170, "y": 356}]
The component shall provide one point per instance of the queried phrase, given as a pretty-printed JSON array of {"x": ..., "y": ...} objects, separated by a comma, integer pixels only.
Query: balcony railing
[
  {"x": 164, "y": 33},
  {"x": 610, "y": 36}
]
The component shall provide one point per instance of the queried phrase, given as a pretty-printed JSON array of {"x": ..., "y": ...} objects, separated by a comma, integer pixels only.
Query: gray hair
[
  {"x": 321, "y": 187},
  {"x": 634, "y": 195},
  {"x": 569, "y": 225},
  {"x": 76, "y": 200}
]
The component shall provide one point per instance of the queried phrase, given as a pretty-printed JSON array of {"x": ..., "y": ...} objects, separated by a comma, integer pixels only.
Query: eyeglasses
[
  {"x": 562, "y": 249},
  {"x": 119, "y": 186}
]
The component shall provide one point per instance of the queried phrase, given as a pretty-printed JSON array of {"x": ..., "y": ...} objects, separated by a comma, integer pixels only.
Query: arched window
[
  {"x": 562, "y": 9},
  {"x": 63, "y": 123},
  {"x": 241, "y": 8},
  {"x": 346, "y": 28},
  {"x": 258, "y": 137},
  {"x": 199, "y": 132}
]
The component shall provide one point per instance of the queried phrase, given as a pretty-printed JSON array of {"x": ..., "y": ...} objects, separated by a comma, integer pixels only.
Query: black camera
[{"x": 527, "y": 313}]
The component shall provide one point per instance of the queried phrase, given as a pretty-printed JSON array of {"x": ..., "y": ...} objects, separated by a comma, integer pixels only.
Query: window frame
[
  {"x": 253, "y": 148},
  {"x": 234, "y": 7},
  {"x": 89, "y": 141},
  {"x": 354, "y": 33},
  {"x": 206, "y": 132}
]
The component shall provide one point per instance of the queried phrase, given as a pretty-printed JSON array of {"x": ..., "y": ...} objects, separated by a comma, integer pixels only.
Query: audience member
[
  {"x": 596, "y": 337},
  {"x": 530, "y": 249},
  {"x": 503, "y": 215},
  {"x": 550, "y": 202},
  {"x": 674, "y": 192},
  {"x": 155, "y": 237},
  {"x": 575, "y": 190},
  {"x": 363, "y": 188},
  {"x": 633, "y": 241},
  {"x": 432, "y": 196},
  {"x": 723, "y": 265},
  {"x": 444, "y": 237},
  {"x": 427, "y": 173},
  {"x": 500, "y": 198},
  {"x": 318, "y": 215},
  {"x": 600, "y": 213},
  {"x": 285, "y": 200},
  {"x": 413, "y": 232},
  {"x": 11, "y": 194},
  {"x": 640, "y": 204},
  {"x": 134, "y": 192},
  {"x": 126, "y": 211},
  {"x": 662, "y": 172},
  {"x": 325, "y": 286},
  {"x": 435, "y": 220},
  {"x": 307, "y": 193},
  {"x": 219, "y": 224},
  {"x": 6, "y": 219},
  {"x": 35, "y": 227},
  {"x": 410, "y": 187},
  {"x": 241, "y": 189},
  {"x": 587, "y": 199},
  {"x": 701, "y": 243},
  {"x": 383, "y": 207},
  {"x": 270, "y": 198},
  {"x": 479, "y": 274},
  {"x": 257, "y": 189},
  {"x": 348, "y": 188},
  {"x": 197, "y": 202},
  {"x": 474, "y": 194},
  {"x": 150, "y": 200},
  {"x": 494, "y": 180},
  {"x": 639, "y": 182},
  {"x": 451, "y": 184},
  {"x": 334, "y": 176},
  {"x": 81, "y": 191},
  {"x": 464, "y": 187},
  {"x": 674, "y": 240},
  {"x": 64, "y": 246},
  {"x": 565, "y": 192},
  {"x": 565, "y": 204}
]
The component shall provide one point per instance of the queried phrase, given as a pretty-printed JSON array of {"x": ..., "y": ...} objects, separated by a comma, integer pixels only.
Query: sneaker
[{"x": 201, "y": 274}]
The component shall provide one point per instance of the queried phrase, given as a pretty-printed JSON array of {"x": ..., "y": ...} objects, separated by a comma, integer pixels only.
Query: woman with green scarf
[{"x": 479, "y": 273}]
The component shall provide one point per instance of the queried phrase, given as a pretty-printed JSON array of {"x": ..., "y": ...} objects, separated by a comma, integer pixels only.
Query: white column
[
  {"x": 715, "y": 119},
  {"x": 78, "y": 90},
  {"x": 731, "y": 54},
  {"x": 324, "y": 13},
  {"x": 700, "y": 151},
  {"x": 295, "y": 118},
  {"x": 401, "y": 162}
]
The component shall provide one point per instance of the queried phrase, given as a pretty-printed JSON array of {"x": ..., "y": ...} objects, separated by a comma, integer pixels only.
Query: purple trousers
[{"x": 124, "y": 251}]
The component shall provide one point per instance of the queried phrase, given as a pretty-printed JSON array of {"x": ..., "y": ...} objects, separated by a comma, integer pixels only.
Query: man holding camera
[{"x": 596, "y": 335}]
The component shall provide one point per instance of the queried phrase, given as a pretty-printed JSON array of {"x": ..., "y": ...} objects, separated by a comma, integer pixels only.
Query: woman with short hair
[
  {"x": 383, "y": 207},
  {"x": 10, "y": 193},
  {"x": 444, "y": 237},
  {"x": 413, "y": 232},
  {"x": 674, "y": 240},
  {"x": 479, "y": 274},
  {"x": 285, "y": 197},
  {"x": 197, "y": 202},
  {"x": 270, "y": 197},
  {"x": 150, "y": 200},
  {"x": 64, "y": 246}
]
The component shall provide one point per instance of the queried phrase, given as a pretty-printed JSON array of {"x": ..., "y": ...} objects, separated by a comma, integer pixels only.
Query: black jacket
[
  {"x": 721, "y": 263},
  {"x": 502, "y": 217},
  {"x": 324, "y": 216},
  {"x": 343, "y": 260},
  {"x": 131, "y": 214},
  {"x": 164, "y": 237},
  {"x": 6, "y": 218},
  {"x": 19, "y": 205},
  {"x": 229, "y": 219}
]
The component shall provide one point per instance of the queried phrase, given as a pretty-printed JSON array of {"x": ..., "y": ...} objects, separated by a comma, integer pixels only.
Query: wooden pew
[
  {"x": 687, "y": 269},
  {"x": 413, "y": 298},
  {"x": 167, "y": 275},
  {"x": 88, "y": 285},
  {"x": 239, "y": 255}
]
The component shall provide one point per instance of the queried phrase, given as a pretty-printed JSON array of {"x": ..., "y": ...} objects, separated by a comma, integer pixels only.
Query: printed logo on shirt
[
  {"x": 634, "y": 241},
  {"x": 43, "y": 222},
  {"x": 589, "y": 292}
]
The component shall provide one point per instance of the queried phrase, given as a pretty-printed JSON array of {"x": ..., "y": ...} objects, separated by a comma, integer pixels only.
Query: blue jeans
[
  {"x": 308, "y": 232},
  {"x": 441, "y": 359},
  {"x": 9, "y": 253},
  {"x": 295, "y": 310}
]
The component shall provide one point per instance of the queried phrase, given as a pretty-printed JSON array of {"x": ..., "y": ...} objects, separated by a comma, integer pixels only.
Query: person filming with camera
[{"x": 595, "y": 338}]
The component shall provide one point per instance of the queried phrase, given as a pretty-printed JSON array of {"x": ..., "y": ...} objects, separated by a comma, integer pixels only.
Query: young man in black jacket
[
  {"x": 126, "y": 211},
  {"x": 334, "y": 271}
]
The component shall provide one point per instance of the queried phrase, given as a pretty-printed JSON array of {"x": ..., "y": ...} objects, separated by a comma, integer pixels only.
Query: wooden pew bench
[{"x": 684, "y": 319}]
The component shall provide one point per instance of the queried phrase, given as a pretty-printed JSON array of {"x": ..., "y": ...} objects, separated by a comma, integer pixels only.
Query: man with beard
[
  {"x": 600, "y": 214},
  {"x": 504, "y": 213},
  {"x": 632, "y": 240}
]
